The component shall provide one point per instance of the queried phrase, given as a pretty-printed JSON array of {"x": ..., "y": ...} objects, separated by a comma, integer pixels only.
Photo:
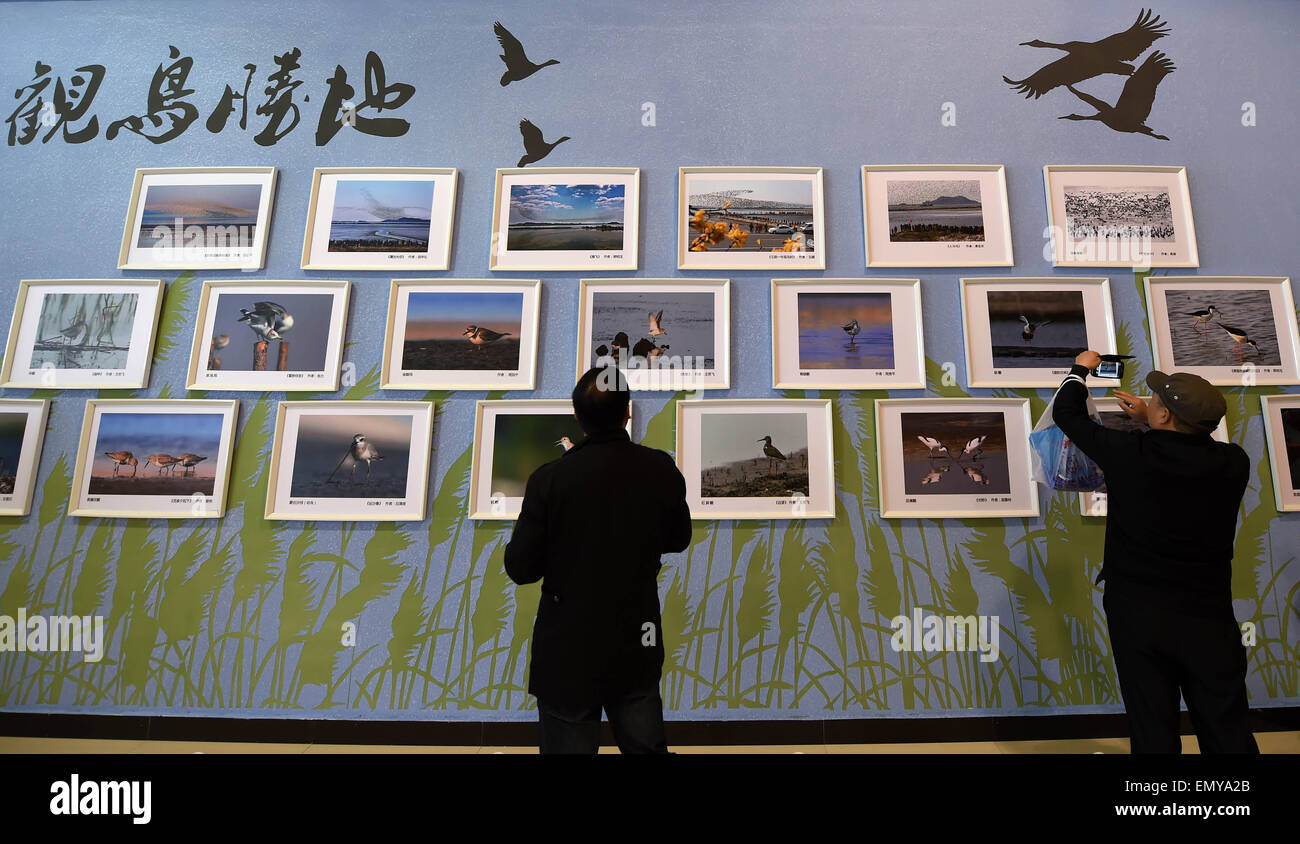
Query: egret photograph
[
  {"x": 156, "y": 454},
  {"x": 381, "y": 215},
  {"x": 846, "y": 330},
  {"x": 522, "y": 442},
  {"x": 84, "y": 330},
  {"x": 462, "y": 330},
  {"x": 1036, "y": 328},
  {"x": 954, "y": 453},
  {"x": 930, "y": 210},
  {"x": 351, "y": 455},
  {"x": 753, "y": 455}
]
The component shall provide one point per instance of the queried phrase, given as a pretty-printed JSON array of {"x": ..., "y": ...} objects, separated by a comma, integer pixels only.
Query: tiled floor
[{"x": 1283, "y": 742}]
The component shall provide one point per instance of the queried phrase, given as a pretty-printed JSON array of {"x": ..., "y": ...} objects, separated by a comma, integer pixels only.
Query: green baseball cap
[{"x": 1190, "y": 397}]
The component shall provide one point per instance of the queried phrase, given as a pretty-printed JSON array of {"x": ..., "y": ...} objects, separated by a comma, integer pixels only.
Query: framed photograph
[
  {"x": 269, "y": 335},
  {"x": 1225, "y": 328},
  {"x": 1094, "y": 503},
  {"x": 940, "y": 215},
  {"x": 757, "y": 458},
  {"x": 22, "y": 432},
  {"x": 954, "y": 458},
  {"x": 1119, "y": 216},
  {"x": 1282, "y": 433},
  {"x": 1026, "y": 332},
  {"x": 82, "y": 334},
  {"x": 512, "y": 439},
  {"x": 566, "y": 218},
  {"x": 198, "y": 218},
  {"x": 461, "y": 334},
  {"x": 847, "y": 334},
  {"x": 154, "y": 458},
  {"x": 750, "y": 218},
  {"x": 665, "y": 334},
  {"x": 365, "y": 461},
  {"x": 380, "y": 218}
]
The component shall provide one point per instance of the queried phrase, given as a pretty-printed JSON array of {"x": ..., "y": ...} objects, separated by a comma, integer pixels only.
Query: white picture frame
[
  {"x": 1044, "y": 320},
  {"x": 794, "y": 432},
  {"x": 497, "y": 492},
  {"x": 566, "y": 218},
  {"x": 164, "y": 231},
  {"x": 781, "y": 201},
  {"x": 847, "y": 334},
  {"x": 497, "y": 321},
  {"x": 366, "y": 235},
  {"x": 22, "y": 435},
  {"x": 242, "y": 324},
  {"x": 115, "y": 433},
  {"x": 945, "y": 225},
  {"x": 1119, "y": 216},
  {"x": 1282, "y": 435},
  {"x": 67, "y": 334},
  {"x": 1183, "y": 340},
  {"x": 693, "y": 350},
  {"x": 304, "y": 449},
  {"x": 989, "y": 480}
]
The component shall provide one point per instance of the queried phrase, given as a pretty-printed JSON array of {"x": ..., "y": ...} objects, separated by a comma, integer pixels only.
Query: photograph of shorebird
[
  {"x": 155, "y": 453},
  {"x": 13, "y": 430},
  {"x": 846, "y": 331},
  {"x": 653, "y": 318},
  {"x": 518, "y": 65},
  {"x": 84, "y": 330},
  {"x": 381, "y": 215},
  {"x": 1036, "y": 328},
  {"x": 1222, "y": 327},
  {"x": 753, "y": 455},
  {"x": 448, "y": 330},
  {"x": 1291, "y": 443},
  {"x": 295, "y": 328},
  {"x": 933, "y": 443},
  {"x": 548, "y": 217},
  {"x": 535, "y": 146},
  {"x": 522, "y": 442},
  {"x": 351, "y": 455}
]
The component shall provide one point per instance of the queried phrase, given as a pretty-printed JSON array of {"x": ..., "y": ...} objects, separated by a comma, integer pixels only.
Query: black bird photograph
[
  {"x": 535, "y": 147},
  {"x": 1086, "y": 59},
  {"x": 1129, "y": 114},
  {"x": 518, "y": 66}
]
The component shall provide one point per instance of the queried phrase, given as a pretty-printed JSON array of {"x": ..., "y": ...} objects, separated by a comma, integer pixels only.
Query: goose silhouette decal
[
  {"x": 535, "y": 147},
  {"x": 518, "y": 66}
]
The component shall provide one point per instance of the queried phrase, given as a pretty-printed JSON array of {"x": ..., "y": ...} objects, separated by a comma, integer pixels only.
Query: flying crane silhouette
[
  {"x": 1087, "y": 59},
  {"x": 518, "y": 65},
  {"x": 1129, "y": 114}
]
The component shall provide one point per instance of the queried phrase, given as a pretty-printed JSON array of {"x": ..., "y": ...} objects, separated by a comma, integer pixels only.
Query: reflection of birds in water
[
  {"x": 163, "y": 462},
  {"x": 1129, "y": 114},
  {"x": 268, "y": 320},
  {"x": 518, "y": 65},
  {"x": 481, "y": 337},
  {"x": 1203, "y": 317},
  {"x": 852, "y": 329},
  {"x": 934, "y": 446},
  {"x": 361, "y": 450},
  {"x": 122, "y": 458},
  {"x": 188, "y": 461},
  {"x": 656, "y": 324},
  {"x": 564, "y": 443},
  {"x": 1240, "y": 340},
  {"x": 1027, "y": 332},
  {"x": 535, "y": 147},
  {"x": 771, "y": 452},
  {"x": 976, "y": 473},
  {"x": 974, "y": 447},
  {"x": 1087, "y": 59},
  {"x": 935, "y": 474}
]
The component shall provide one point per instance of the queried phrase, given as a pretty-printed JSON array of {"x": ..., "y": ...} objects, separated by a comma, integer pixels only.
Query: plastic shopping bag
[{"x": 1056, "y": 462}]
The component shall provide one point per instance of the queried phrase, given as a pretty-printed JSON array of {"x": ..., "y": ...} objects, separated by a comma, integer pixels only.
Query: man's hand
[
  {"x": 1132, "y": 405},
  {"x": 1088, "y": 360}
]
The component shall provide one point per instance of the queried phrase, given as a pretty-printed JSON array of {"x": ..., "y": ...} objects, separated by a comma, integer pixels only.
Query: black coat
[
  {"x": 1171, "y": 510},
  {"x": 592, "y": 528}
]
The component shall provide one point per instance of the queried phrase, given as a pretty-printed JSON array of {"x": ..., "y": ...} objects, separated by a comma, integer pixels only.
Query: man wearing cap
[{"x": 1173, "y": 495}]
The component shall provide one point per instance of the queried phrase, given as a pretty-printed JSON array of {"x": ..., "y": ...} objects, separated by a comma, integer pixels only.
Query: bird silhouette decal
[
  {"x": 1129, "y": 114},
  {"x": 535, "y": 146},
  {"x": 518, "y": 66}
]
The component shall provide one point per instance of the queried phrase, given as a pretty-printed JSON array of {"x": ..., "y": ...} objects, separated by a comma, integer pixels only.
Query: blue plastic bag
[{"x": 1057, "y": 462}]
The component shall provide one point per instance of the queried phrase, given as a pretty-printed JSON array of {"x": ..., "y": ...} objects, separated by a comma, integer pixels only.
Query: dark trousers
[
  {"x": 637, "y": 719},
  {"x": 1161, "y": 653}
]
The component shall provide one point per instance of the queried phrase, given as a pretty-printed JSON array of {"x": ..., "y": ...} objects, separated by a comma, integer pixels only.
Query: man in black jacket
[
  {"x": 1172, "y": 499},
  {"x": 592, "y": 527}
]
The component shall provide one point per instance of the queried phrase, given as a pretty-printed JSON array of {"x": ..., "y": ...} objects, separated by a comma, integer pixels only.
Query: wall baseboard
[{"x": 517, "y": 734}]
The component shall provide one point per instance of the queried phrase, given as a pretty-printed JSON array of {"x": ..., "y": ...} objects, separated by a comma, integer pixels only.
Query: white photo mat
[
  {"x": 762, "y": 247},
  {"x": 994, "y": 250},
  {"x": 316, "y": 254},
  {"x": 280, "y": 504},
  {"x": 981, "y": 369},
  {"x": 18, "y": 369},
  {"x": 502, "y": 257},
  {"x": 1286, "y": 473},
  {"x": 198, "y": 248},
  {"x": 16, "y": 500},
  {"x": 817, "y": 503},
  {"x": 325, "y": 379},
  {"x": 908, "y": 370},
  {"x": 674, "y": 374},
  {"x": 522, "y": 377},
  {"x": 1129, "y": 192}
]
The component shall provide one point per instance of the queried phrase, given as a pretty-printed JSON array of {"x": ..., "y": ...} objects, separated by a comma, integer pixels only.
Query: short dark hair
[{"x": 601, "y": 399}]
